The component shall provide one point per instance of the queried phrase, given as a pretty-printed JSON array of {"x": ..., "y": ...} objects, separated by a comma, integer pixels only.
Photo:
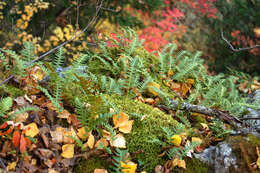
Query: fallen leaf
[
  {"x": 37, "y": 73},
  {"x": 122, "y": 122},
  {"x": 196, "y": 139},
  {"x": 64, "y": 114},
  {"x": 11, "y": 166},
  {"x": 258, "y": 162},
  {"x": 100, "y": 171},
  {"x": 22, "y": 144},
  {"x": 67, "y": 136},
  {"x": 151, "y": 86},
  {"x": 126, "y": 127},
  {"x": 20, "y": 118},
  {"x": 129, "y": 167},
  {"x": 91, "y": 141},
  {"x": 103, "y": 141},
  {"x": 67, "y": 151},
  {"x": 119, "y": 141},
  {"x": 82, "y": 134},
  {"x": 120, "y": 119},
  {"x": 31, "y": 130},
  {"x": 179, "y": 163},
  {"x": 16, "y": 138},
  {"x": 204, "y": 126},
  {"x": 176, "y": 140},
  {"x": 257, "y": 31}
]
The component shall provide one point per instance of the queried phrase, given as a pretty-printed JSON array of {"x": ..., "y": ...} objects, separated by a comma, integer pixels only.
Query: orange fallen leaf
[
  {"x": 22, "y": 144},
  {"x": 126, "y": 127},
  {"x": 16, "y": 138},
  {"x": 122, "y": 122}
]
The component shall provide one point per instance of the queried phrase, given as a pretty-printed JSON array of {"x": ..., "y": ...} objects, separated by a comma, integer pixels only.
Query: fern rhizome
[{"x": 125, "y": 71}]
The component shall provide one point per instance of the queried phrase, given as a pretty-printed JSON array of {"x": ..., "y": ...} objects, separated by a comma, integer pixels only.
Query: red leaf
[
  {"x": 3, "y": 126},
  {"x": 22, "y": 144},
  {"x": 16, "y": 139},
  {"x": 6, "y": 132}
]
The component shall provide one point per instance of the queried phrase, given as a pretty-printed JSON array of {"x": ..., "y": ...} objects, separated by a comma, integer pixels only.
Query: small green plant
[{"x": 219, "y": 130}]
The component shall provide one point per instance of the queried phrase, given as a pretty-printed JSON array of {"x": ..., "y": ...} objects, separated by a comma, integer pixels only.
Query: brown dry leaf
[
  {"x": 119, "y": 141},
  {"x": 64, "y": 114},
  {"x": 106, "y": 134},
  {"x": 67, "y": 136},
  {"x": 57, "y": 135},
  {"x": 149, "y": 100},
  {"x": 82, "y": 134},
  {"x": 175, "y": 86},
  {"x": 31, "y": 130},
  {"x": 100, "y": 171},
  {"x": 50, "y": 170},
  {"x": 20, "y": 118},
  {"x": 91, "y": 141},
  {"x": 185, "y": 88},
  {"x": 67, "y": 151}
]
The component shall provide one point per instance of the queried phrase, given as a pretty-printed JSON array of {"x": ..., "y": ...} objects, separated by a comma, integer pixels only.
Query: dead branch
[{"x": 239, "y": 49}]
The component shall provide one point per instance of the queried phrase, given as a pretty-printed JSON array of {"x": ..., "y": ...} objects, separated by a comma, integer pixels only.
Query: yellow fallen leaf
[
  {"x": 67, "y": 151},
  {"x": 179, "y": 163},
  {"x": 150, "y": 88},
  {"x": 37, "y": 73},
  {"x": 11, "y": 166},
  {"x": 100, "y": 171},
  {"x": 91, "y": 141},
  {"x": 190, "y": 81},
  {"x": 126, "y": 127},
  {"x": 195, "y": 139},
  {"x": 257, "y": 31},
  {"x": 82, "y": 134},
  {"x": 258, "y": 162},
  {"x": 204, "y": 126},
  {"x": 170, "y": 73},
  {"x": 119, "y": 141},
  {"x": 185, "y": 88},
  {"x": 129, "y": 167},
  {"x": 31, "y": 130},
  {"x": 176, "y": 140}
]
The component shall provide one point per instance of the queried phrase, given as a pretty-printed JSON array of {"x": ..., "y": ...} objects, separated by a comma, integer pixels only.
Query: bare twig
[
  {"x": 98, "y": 7},
  {"x": 239, "y": 49}
]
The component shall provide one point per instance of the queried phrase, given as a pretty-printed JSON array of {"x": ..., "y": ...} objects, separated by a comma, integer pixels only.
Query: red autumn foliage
[{"x": 16, "y": 139}]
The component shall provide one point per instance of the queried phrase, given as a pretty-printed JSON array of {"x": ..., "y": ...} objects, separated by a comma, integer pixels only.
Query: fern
[
  {"x": 55, "y": 102},
  {"x": 5, "y": 105},
  {"x": 117, "y": 159}
]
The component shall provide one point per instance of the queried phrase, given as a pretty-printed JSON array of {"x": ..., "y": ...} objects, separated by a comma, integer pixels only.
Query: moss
[
  {"x": 143, "y": 132},
  {"x": 11, "y": 91},
  {"x": 195, "y": 165},
  {"x": 88, "y": 166}
]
